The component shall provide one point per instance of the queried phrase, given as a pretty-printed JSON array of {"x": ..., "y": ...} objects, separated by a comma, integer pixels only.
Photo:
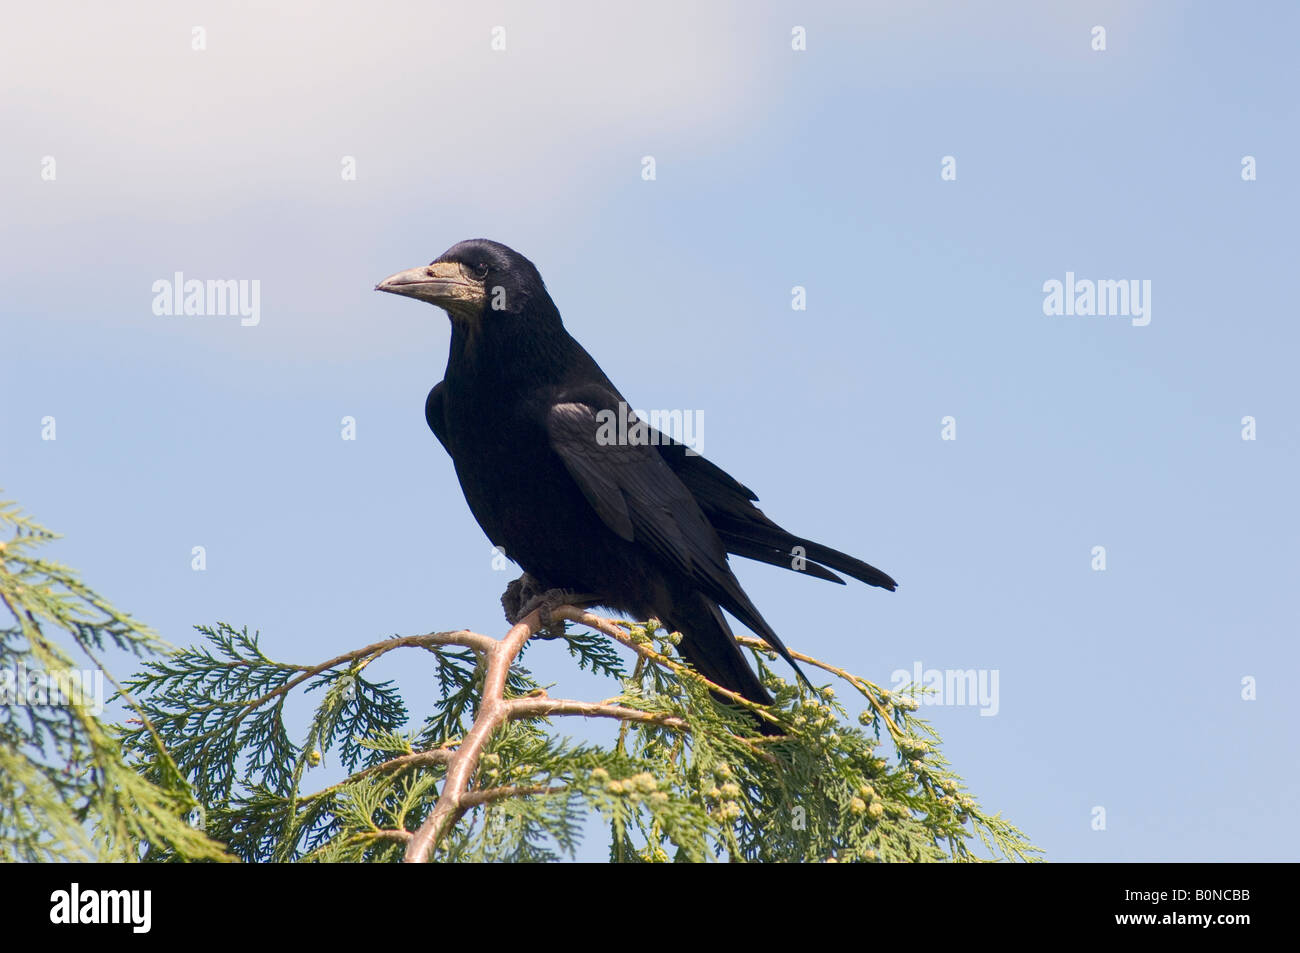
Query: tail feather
[
  {"x": 709, "y": 645},
  {"x": 775, "y": 556},
  {"x": 746, "y": 531},
  {"x": 746, "y": 536}
]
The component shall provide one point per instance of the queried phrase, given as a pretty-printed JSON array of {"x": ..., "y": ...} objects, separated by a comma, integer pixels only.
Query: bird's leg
[
  {"x": 526, "y": 594},
  {"x": 518, "y": 594}
]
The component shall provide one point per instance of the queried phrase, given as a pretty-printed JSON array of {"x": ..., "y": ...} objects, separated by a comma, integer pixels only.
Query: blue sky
[{"x": 1119, "y": 688}]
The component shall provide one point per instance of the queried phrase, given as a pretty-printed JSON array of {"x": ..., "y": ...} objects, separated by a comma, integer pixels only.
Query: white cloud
[{"x": 414, "y": 90}]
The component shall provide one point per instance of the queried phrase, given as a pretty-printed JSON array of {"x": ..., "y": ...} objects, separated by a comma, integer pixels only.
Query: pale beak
[{"x": 445, "y": 284}]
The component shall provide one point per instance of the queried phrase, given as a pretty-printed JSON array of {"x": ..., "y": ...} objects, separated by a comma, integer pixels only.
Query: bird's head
[{"x": 471, "y": 280}]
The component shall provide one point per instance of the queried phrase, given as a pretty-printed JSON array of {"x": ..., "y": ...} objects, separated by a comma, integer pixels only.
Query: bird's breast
[{"x": 516, "y": 486}]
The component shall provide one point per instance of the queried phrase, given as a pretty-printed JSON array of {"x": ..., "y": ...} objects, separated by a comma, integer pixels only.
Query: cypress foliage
[
  {"x": 207, "y": 767},
  {"x": 67, "y": 792}
]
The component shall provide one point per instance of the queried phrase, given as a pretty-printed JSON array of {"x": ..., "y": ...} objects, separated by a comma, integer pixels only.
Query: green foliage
[
  {"x": 208, "y": 769},
  {"x": 66, "y": 792},
  {"x": 841, "y": 785}
]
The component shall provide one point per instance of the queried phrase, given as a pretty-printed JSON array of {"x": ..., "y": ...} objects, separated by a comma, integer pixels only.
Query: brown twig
[
  {"x": 462, "y": 637},
  {"x": 543, "y": 706},
  {"x": 494, "y": 710},
  {"x": 612, "y": 630},
  {"x": 488, "y": 795},
  {"x": 457, "y": 797},
  {"x": 868, "y": 689}
]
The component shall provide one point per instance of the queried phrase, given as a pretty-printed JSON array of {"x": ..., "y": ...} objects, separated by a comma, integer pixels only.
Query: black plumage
[{"x": 644, "y": 528}]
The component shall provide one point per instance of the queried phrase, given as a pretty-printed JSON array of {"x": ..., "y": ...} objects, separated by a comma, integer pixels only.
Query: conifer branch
[
  {"x": 642, "y": 648},
  {"x": 687, "y": 772},
  {"x": 542, "y": 706},
  {"x": 498, "y": 656},
  {"x": 207, "y": 769},
  {"x": 495, "y": 710}
]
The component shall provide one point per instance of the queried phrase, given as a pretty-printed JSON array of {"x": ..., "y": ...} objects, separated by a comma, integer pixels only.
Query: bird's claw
[
  {"x": 520, "y": 593},
  {"x": 525, "y": 595}
]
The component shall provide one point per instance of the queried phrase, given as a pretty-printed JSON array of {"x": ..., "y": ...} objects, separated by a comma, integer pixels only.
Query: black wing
[
  {"x": 639, "y": 497},
  {"x": 746, "y": 531},
  {"x": 433, "y": 413}
]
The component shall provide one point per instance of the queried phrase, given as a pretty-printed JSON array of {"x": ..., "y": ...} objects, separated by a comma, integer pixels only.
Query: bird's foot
[
  {"x": 523, "y": 591},
  {"x": 526, "y": 595}
]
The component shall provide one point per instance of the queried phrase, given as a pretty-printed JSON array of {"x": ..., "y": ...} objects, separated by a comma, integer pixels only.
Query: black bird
[{"x": 642, "y": 525}]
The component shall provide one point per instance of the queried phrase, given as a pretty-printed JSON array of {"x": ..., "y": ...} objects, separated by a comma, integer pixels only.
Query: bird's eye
[{"x": 481, "y": 270}]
